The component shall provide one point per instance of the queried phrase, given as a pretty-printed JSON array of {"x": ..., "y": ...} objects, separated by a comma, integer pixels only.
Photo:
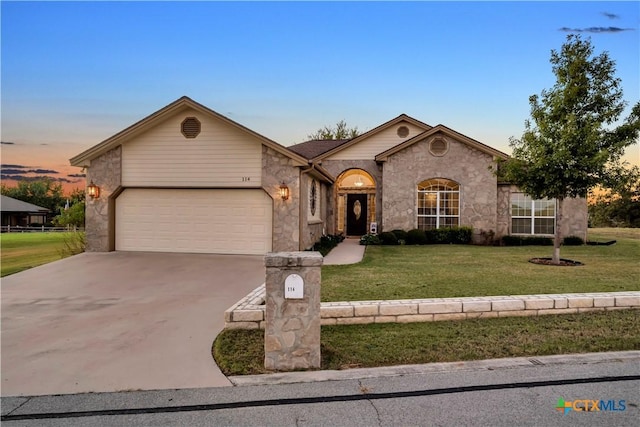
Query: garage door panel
[{"x": 202, "y": 221}]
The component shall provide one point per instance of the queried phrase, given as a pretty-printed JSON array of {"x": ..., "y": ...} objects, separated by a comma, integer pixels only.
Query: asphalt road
[{"x": 492, "y": 393}]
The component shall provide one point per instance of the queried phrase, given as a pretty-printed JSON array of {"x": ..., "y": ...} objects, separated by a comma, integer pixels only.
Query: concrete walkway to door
[
  {"x": 100, "y": 322},
  {"x": 349, "y": 251}
]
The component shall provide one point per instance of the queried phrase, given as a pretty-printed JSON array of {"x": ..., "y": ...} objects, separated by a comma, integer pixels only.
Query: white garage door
[{"x": 203, "y": 221}]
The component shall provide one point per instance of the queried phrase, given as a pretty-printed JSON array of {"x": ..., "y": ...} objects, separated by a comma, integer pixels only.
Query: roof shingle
[{"x": 314, "y": 148}]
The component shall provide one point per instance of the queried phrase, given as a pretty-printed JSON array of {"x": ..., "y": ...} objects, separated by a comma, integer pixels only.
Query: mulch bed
[
  {"x": 609, "y": 243},
  {"x": 549, "y": 261}
]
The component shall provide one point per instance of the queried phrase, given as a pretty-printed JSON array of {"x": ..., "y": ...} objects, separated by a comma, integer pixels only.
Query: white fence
[{"x": 42, "y": 229}]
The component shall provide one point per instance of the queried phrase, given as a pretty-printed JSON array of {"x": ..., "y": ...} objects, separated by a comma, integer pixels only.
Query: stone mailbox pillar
[{"x": 292, "y": 328}]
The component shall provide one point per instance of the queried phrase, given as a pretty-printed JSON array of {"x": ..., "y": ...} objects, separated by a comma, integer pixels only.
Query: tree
[
  {"x": 340, "y": 131},
  {"x": 571, "y": 145},
  {"x": 71, "y": 217},
  {"x": 618, "y": 205},
  {"x": 44, "y": 192}
]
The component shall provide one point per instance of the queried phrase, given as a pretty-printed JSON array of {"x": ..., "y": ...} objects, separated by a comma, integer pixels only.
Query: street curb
[{"x": 394, "y": 371}]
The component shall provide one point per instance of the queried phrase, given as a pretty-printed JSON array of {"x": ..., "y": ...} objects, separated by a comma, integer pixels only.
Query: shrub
[
  {"x": 388, "y": 238},
  {"x": 326, "y": 243},
  {"x": 436, "y": 235},
  {"x": 416, "y": 237},
  {"x": 400, "y": 235},
  {"x": 461, "y": 235},
  {"x": 74, "y": 243},
  {"x": 526, "y": 241},
  {"x": 370, "y": 239},
  {"x": 487, "y": 237},
  {"x": 573, "y": 241},
  {"x": 451, "y": 235}
]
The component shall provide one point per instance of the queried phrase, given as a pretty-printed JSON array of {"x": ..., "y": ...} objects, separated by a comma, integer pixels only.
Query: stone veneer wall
[
  {"x": 463, "y": 164},
  {"x": 503, "y": 223},
  {"x": 277, "y": 168},
  {"x": 105, "y": 172},
  {"x": 575, "y": 214},
  {"x": 292, "y": 325},
  {"x": 335, "y": 168},
  {"x": 575, "y": 218},
  {"x": 311, "y": 230}
]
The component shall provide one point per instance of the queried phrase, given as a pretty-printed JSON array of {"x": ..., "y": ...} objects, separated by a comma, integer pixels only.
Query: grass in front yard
[
  {"x": 441, "y": 271},
  {"x": 21, "y": 251},
  {"x": 605, "y": 234},
  {"x": 241, "y": 352}
]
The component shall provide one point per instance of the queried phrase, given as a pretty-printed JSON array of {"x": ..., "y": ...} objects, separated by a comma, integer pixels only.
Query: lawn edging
[{"x": 249, "y": 312}]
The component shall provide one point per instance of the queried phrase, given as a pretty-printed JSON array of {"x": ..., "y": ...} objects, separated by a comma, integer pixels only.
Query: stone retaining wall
[{"x": 248, "y": 313}]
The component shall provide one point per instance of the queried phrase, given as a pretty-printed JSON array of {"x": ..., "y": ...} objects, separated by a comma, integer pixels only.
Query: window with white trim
[
  {"x": 529, "y": 216},
  {"x": 438, "y": 204}
]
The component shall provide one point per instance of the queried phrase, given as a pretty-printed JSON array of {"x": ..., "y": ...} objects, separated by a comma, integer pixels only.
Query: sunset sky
[{"x": 75, "y": 73}]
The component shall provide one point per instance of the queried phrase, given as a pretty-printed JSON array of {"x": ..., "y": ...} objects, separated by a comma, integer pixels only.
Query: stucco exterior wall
[
  {"x": 276, "y": 169},
  {"x": 461, "y": 163},
  {"x": 105, "y": 172}
]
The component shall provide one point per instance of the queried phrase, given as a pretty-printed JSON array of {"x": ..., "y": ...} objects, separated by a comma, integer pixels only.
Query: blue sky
[{"x": 75, "y": 73}]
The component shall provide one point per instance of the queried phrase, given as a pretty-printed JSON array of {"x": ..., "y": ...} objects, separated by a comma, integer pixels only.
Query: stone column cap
[{"x": 293, "y": 259}]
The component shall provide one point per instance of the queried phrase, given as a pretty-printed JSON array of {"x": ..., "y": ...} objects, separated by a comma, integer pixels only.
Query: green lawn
[
  {"x": 21, "y": 251},
  {"x": 447, "y": 271},
  {"x": 440, "y": 271},
  {"x": 241, "y": 352}
]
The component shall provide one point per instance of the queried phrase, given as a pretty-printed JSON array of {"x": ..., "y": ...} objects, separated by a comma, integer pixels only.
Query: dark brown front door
[{"x": 356, "y": 214}]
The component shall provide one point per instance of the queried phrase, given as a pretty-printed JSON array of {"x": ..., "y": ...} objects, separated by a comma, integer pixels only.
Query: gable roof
[
  {"x": 316, "y": 147},
  {"x": 447, "y": 131},
  {"x": 9, "y": 204},
  {"x": 178, "y": 105},
  {"x": 401, "y": 118}
]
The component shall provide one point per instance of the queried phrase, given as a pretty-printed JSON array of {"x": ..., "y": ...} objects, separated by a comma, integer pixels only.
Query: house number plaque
[{"x": 294, "y": 287}]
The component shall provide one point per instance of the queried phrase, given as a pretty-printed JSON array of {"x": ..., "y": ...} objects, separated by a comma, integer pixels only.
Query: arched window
[{"x": 438, "y": 204}]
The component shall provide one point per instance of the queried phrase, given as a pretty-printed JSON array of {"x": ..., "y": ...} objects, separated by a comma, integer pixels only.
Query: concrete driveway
[{"x": 119, "y": 321}]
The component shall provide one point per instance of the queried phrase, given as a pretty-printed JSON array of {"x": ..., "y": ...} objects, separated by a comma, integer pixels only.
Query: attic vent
[
  {"x": 438, "y": 147},
  {"x": 403, "y": 131},
  {"x": 190, "y": 127}
]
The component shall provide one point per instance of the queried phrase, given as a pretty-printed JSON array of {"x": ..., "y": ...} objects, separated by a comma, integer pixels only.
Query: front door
[{"x": 356, "y": 214}]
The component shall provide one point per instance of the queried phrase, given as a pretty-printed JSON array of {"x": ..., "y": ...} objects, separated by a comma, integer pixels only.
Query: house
[
  {"x": 187, "y": 179},
  {"x": 16, "y": 213}
]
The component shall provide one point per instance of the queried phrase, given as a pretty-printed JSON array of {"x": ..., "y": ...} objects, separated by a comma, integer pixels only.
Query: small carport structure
[{"x": 18, "y": 213}]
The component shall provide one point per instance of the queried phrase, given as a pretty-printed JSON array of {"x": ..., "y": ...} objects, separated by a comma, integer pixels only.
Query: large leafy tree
[
  {"x": 574, "y": 140},
  {"x": 340, "y": 131}
]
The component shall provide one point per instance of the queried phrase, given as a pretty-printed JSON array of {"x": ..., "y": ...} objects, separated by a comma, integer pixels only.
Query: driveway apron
[{"x": 101, "y": 322}]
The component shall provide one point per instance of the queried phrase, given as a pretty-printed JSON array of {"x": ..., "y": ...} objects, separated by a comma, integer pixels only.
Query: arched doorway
[{"x": 356, "y": 202}]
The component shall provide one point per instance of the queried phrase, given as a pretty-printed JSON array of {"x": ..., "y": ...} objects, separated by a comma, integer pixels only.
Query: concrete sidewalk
[{"x": 349, "y": 251}]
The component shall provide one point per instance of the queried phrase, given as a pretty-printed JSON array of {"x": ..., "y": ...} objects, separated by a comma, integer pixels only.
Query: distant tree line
[
  {"x": 619, "y": 205},
  {"x": 340, "y": 131},
  {"x": 45, "y": 192}
]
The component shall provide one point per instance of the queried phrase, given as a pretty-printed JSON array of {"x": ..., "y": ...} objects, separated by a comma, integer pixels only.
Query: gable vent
[
  {"x": 438, "y": 147},
  {"x": 403, "y": 131},
  {"x": 190, "y": 127}
]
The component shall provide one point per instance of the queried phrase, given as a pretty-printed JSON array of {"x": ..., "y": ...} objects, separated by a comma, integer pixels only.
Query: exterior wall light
[
  {"x": 93, "y": 190},
  {"x": 284, "y": 191}
]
